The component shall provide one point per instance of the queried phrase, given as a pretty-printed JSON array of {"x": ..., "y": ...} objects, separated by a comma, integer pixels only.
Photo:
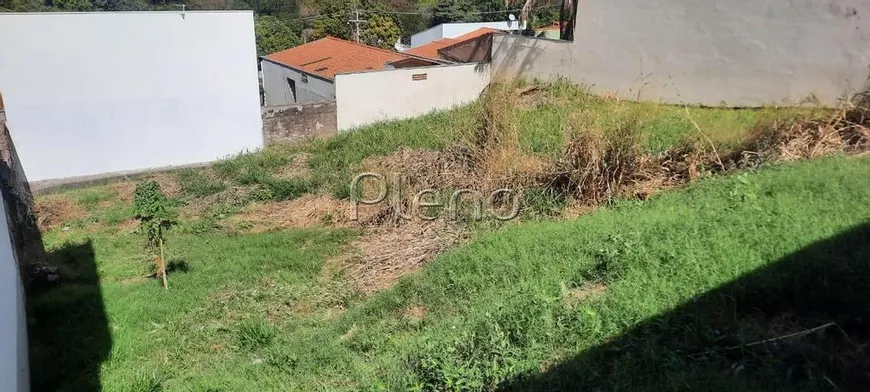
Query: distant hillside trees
[{"x": 273, "y": 35}]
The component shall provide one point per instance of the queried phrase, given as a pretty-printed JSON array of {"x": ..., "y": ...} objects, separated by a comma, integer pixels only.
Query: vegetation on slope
[
  {"x": 598, "y": 302},
  {"x": 674, "y": 289}
]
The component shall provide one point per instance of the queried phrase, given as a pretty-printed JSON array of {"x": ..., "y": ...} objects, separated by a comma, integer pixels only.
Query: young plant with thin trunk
[{"x": 155, "y": 217}]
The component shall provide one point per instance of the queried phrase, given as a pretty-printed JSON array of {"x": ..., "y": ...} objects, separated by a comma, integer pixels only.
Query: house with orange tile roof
[
  {"x": 307, "y": 72},
  {"x": 472, "y": 47}
]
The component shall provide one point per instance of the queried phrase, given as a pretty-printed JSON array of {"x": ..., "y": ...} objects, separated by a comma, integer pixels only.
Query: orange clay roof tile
[
  {"x": 431, "y": 49},
  {"x": 329, "y": 56}
]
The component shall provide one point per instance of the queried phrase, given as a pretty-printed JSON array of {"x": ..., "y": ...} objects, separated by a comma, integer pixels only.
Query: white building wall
[
  {"x": 14, "y": 374},
  {"x": 426, "y": 36},
  {"x": 453, "y": 30},
  {"x": 90, "y": 93},
  {"x": 443, "y": 88},
  {"x": 736, "y": 53},
  {"x": 276, "y": 89}
]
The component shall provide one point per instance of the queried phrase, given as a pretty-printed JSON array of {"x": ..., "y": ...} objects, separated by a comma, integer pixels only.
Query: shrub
[{"x": 156, "y": 216}]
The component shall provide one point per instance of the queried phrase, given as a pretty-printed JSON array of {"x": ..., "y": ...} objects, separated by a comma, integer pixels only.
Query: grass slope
[{"x": 624, "y": 298}]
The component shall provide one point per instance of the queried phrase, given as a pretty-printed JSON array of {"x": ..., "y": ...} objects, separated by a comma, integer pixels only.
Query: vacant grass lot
[
  {"x": 621, "y": 298},
  {"x": 755, "y": 280}
]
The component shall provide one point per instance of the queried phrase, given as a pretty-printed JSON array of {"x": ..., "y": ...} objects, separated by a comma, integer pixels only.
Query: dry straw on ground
[
  {"x": 51, "y": 212},
  {"x": 385, "y": 255},
  {"x": 306, "y": 211}
]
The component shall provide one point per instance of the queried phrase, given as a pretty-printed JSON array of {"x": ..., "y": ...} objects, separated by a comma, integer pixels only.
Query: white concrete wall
[
  {"x": 453, "y": 30},
  {"x": 277, "y": 91},
  {"x": 401, "y": 96},
  {"x": 736, "y": 53},
  {"x": 90, "y": 93},
  {"x": 426, "y": 36},
  {"x": 14, "y": 367}
]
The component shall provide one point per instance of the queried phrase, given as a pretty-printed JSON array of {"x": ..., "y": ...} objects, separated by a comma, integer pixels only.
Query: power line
[
  {"x": 469, "y": 13},
  {"x": 305, "y": 18}
]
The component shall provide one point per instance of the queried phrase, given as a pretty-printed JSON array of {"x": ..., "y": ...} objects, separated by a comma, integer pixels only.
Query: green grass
[
  {"x": 540, "y": 124},
  {"x": 624, "y": 298},
  {"x": 725, "y": 261}
]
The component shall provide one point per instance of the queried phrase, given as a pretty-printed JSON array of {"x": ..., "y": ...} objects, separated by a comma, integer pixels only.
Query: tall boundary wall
[
  {"x": 370, "y": 97},
  {"x": 100, "y": 92},
  {"x": 740, "y": 53},
  {"x": 20, "y": 247}
]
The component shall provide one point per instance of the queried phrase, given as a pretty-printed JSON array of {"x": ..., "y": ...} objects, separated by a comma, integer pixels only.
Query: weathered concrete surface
[
  {"x": 735, "y": 53},
  {"x": 293, "y": 123}
]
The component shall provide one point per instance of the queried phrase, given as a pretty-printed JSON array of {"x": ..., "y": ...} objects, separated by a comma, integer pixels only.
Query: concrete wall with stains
[
  {"x": 293, "y": 123},
  {"x": 734, "y": 53}
]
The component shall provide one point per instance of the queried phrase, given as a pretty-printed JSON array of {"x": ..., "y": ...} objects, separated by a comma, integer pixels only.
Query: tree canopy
[
  {"x": 273, "y": 35},
  {"x": 379, "y": 29},
  {"x": 279, "y": 24}
]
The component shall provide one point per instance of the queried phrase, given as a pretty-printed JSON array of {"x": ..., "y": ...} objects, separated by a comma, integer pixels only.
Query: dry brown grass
[
  {"x": 51, "y": 212},
  {"x": 575, "y": 296},
  {"x": 383, "y": 256},
  {"x": 306, "y": 211},
  {"x": 416, "y": 313},
  {"x": 309, "y": 211},
  {"x": 599, "y": 165},
  {"x": 847, "y": 131},
  {"x": 493, "y": 146}
]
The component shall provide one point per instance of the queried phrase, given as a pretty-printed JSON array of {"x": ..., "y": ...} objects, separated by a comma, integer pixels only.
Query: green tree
[
  {"x": 491, "y": 10},
  {"x": 155, "y": 216},
  {"x": 74, "y": 5},
  {"x": 273, "y": 35},
  {"x": 380, "y": 31},
  {"x": 447, "y": 11},
  {"x": 333, "y": 22}
]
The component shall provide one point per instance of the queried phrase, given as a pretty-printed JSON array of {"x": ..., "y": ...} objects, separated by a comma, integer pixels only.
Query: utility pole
[{"x": 356, "y": 22}]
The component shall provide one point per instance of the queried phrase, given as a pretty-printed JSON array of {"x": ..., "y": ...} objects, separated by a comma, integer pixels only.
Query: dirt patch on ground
[
  {"x": 385, "y": 255},
  {"x": 124, "y": 190},
  {"x": 575, "y": 296},
  {"x": 306, "y": 211},
  {"x": 416, "y": 313},
  {"x": 168, "y": 183},
  {"x": 51, "y": 212}
]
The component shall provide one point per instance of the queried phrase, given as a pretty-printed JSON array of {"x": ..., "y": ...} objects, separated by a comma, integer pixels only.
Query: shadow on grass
[
  {"x": 67, "y": 325},
  {"x": 815, "y": 302},
  {"x": 177, "y": 266}
]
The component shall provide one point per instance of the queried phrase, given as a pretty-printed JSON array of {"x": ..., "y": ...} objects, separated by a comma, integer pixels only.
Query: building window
[
  {"x": 304, "y": 78},
  {"x": 418, "y": 77},
  {"x": 292, "y": 85}
]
